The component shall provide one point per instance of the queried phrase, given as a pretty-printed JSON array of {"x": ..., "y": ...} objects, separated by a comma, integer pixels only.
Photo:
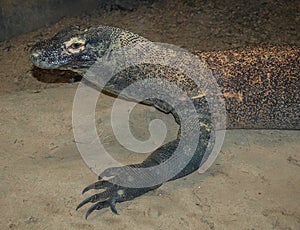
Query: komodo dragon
[{"x": 260, "y": 86}]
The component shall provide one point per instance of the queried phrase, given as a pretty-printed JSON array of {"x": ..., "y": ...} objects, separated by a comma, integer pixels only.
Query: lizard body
[{"x": 260, "y": 86}]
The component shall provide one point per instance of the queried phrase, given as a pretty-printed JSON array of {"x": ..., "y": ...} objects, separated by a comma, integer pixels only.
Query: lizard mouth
[
  {"x": 47, "y": 59},
  {"x": 44, "y": 61}
]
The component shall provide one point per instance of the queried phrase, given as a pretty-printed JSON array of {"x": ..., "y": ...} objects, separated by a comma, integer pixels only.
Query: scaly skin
[{"x": 260, "y": 86}]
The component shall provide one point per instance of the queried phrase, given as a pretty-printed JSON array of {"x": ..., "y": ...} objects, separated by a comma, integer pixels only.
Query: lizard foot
[{"x": 113, "y": 192}]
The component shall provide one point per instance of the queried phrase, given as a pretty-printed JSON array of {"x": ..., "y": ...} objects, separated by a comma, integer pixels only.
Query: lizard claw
[
  {"x": 102, "y": 204},
  {"x": 97, "y": 206},
  {"x": 97, "y": 185},
  {"x": 101, "y": 200},
  {"x": 91, "y": 199}
]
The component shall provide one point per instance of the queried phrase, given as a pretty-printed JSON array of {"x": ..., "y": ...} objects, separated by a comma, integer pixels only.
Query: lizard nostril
[{"x": 35, "y": 54}]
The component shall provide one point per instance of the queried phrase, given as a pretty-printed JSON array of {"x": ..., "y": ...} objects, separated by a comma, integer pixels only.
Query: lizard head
[{"x": 75, "y": 48}]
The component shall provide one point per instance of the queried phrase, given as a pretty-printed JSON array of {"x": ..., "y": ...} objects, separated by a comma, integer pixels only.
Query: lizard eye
[{"x": 76, "y": 45}]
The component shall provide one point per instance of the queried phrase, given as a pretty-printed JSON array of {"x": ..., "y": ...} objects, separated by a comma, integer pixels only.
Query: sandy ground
[{"x": 254, "y": 183}]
